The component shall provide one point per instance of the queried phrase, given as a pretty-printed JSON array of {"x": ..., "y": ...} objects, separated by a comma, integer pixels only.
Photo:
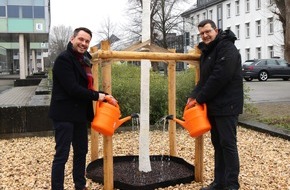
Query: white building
[{"x": 259, "y": 32}]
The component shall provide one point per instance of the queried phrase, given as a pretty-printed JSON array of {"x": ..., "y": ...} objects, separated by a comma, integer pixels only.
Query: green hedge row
[{"x": 126, "y": 89}]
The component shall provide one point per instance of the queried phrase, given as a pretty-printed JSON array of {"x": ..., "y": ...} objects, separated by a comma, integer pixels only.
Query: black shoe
[{"x": 213, "y": 186}]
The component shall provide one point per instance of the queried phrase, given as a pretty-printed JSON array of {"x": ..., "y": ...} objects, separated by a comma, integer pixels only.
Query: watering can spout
[
  {"x": 135, "y": 115},
  {"x": 180, "y": 122},
  {"x": 121, "y": 121},
  {"x": 169, "y": 117}
]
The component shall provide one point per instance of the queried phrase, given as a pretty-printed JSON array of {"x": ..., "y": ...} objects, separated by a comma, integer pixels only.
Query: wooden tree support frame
[{"x": 104, "y": 57}]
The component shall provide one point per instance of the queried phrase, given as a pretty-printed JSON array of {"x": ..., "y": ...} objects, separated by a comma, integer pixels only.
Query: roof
[
  {"x": 200, "y": 6},
  {"x": 151, "y": 47}
]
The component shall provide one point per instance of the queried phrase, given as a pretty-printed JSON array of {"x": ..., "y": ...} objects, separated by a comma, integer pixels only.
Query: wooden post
[
  {"x": 107, "y": 140},
  {"x": 95, "y": 134},
  {"x": 199, "y": 150},
  {"x": 172, "y": 105},
  {"x": 153, "y": 56},
  {"x": 199, "y": 141}
]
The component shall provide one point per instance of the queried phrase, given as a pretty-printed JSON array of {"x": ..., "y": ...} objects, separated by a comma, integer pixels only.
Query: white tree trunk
[{"x": 144, "y": 139}]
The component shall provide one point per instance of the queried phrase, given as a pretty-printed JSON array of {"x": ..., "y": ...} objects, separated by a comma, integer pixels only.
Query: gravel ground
[{"x": 25, "y": 163}]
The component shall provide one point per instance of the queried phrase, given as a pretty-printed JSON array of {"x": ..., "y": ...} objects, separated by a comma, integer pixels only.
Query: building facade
[
  {"x": 24, "y": 32},
  {"x": 259, "y": 32}
]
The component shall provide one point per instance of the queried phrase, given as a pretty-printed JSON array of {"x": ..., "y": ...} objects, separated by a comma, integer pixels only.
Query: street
[{"x": 272, "y": 90}]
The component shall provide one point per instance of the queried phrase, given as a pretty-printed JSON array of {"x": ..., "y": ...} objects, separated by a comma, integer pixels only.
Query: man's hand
[
  {"x": 111, "y": 100},
  {"x": 191, "y": 102},
  {"x": 101, "y": 96}
]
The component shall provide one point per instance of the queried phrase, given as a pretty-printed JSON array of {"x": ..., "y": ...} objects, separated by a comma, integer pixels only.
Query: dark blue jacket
[
  {"x": 221, "y": 82},
  {"x": 71, "y": 100}
]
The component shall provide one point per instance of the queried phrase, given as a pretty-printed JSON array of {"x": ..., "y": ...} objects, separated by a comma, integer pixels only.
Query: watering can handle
[
  {"x": 202, "y": 105},
  {"x": 186, "y": 107},
  {"x": 111, "y": 101}
]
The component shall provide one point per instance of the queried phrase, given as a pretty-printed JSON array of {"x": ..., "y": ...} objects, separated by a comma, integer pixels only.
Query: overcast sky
[{"x": 87, "y": 13}]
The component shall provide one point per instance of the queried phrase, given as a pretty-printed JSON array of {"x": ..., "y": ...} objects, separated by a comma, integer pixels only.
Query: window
[
  {"x": 271, "y": 62},
  {"x": 271, "y": 2},
  {"x": 197, "y": 19},
  {"x": 198, "y": 38},
  {"x": 2, "y": 11},
  {"x": 282, "y": 62},
  {"x": 192, "y": 40},
  {"x": 38, "y": 11},
  {"x": 204, "y": 15},
  {"x": 187, "y": 40},
  {"x": 247, "y": 28},
  {"x": 247, "y": 6},
  {"x": 228, "y": 10},
  {"x": 258, "y": 52},
  {"x": 192, "y": 21},
  {"x": 258, "y": 28},
  {"x": 271, "y": 25},
  {"x": 237, "y": 3},
  {"x": 247, "y": 53},
  {"x": 238, "y": 31},
  {"x": 210, "y": 14},
  {"x": 258, "y": 5},
  {"x": 271, "y": 51},
  {"x": 13, "y": 11},
  {"x": 27, "y": 12},
  {"x": 219, "y": 16}
]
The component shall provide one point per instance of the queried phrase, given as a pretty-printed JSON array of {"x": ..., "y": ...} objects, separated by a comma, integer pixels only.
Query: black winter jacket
[
  {"x": 71, "y": 100},
  {"x": 221, "y": 82}
]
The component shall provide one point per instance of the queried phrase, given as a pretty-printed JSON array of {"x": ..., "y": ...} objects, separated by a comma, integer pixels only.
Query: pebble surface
[{"x": 25, "y": 163}]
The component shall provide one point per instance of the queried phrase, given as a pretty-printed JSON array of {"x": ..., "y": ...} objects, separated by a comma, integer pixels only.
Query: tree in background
[
  {"x": 283, "y": 12},
  {"x": 167, "y": 20},
  {"x": 58, "y": 40},
  {"x": 108, "y": 31},
  {"x": 164, "y": 17}
]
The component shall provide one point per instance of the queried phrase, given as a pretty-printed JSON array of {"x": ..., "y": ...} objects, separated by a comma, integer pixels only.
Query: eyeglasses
[{"x": 206, "y": 32}]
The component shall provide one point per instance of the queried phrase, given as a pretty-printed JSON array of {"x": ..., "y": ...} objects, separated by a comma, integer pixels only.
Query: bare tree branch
[
  {"x": 108, "y": 28},
  {"x": 58, "y": 40}
]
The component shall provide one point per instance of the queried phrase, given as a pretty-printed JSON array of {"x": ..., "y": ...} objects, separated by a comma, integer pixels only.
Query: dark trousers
[
  {"x": 226, "y": 157},
  {"x": 67, "y": 134}
]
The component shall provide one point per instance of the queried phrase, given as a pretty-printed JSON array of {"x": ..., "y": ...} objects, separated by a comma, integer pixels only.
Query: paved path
[{"x": 17, "y": 96}]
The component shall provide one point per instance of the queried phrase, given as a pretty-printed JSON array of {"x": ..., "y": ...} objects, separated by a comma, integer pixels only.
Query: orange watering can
[
  {"x": 195, "y": 120},
  {"x": 106, "y": 119}
]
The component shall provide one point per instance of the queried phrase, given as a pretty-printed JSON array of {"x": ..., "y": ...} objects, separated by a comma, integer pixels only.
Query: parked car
[{"x": 262, "y": 69}]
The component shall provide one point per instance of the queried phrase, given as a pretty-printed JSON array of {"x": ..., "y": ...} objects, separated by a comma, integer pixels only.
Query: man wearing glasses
[{"x": 221, "y": 88}]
